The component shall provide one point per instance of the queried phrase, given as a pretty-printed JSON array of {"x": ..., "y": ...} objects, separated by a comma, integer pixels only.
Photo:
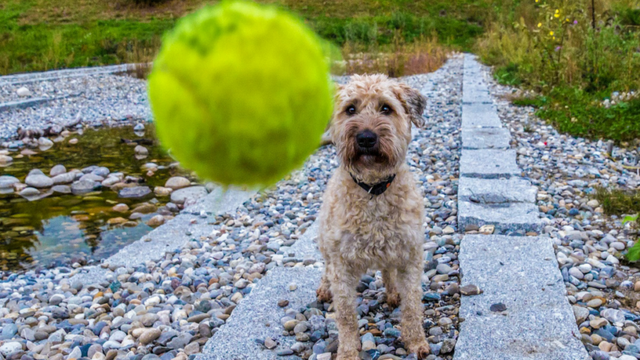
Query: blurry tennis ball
[{"x": 241, "y": 93}]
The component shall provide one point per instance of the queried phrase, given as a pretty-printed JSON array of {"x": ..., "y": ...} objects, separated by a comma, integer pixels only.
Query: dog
[{"x": 373, "y": 210}]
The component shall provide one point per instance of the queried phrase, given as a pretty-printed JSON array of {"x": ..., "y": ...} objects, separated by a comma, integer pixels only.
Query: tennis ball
[{"x": 241, "y": 93}]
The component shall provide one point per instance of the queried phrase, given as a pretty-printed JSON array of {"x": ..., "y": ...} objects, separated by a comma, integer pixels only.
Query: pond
[{"x": 57, "y": 226}]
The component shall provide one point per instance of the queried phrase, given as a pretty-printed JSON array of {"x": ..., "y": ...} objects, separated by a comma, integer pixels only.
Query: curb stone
[
  {"x": 522, "y": 312},
  {"x": 240, "y": 337}
]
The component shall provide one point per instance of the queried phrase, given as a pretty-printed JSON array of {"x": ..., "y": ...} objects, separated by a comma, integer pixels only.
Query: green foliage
[
  {"x": 381, "y": 29},
  {"x": 508, "y": 75},
  {"x": 554, "y": 49},
  {"x": 36, "y": 47},
  {"x": 629, "y": 218},
  {"x": 618, "y": 202},
  {"x": 634, "y": 253}
]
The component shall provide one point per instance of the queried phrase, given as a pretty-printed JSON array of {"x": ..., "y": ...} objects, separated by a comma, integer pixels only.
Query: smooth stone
[
  {"x": 29, "y": 191},
  {"x": 62, "y": 189},
  {"x": 188, "y": 194},
  {"x": 134, "y": 192},
  {"x": 82, "y": 186},
  {"x": 149, "y": 335},
  {"x": 177, "y": 182},
  {"x": 7, "y": 181},
  {"x": 38, "y": 180},
  {"x": 57, "y": 170}
]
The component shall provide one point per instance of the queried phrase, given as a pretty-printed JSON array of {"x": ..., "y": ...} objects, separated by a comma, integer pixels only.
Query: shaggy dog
[{"x": 372, "y": 213}]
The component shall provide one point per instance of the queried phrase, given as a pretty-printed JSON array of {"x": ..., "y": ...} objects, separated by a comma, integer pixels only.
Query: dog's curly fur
[{"x": 359, "y": 231}]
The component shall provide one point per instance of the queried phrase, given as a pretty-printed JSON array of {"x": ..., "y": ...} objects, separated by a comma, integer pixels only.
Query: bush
[{"x": 556, "y": 49}]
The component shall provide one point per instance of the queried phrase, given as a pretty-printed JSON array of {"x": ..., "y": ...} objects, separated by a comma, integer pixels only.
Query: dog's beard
[{"x": 369, "y": 158}]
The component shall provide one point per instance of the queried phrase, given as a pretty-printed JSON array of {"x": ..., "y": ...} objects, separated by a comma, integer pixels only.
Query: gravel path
[
  {"x": 520, "y": 311},
  {"x": 310, "y": 331},
  {"x": 589, "y": 245},
  {"x": 167, "y": 309},
  {"x": 100, "y": 99}
]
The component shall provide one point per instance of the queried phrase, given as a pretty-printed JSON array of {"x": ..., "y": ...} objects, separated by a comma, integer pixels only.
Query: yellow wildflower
[
  {"x": 557, "y": 15},
  {"x": 539, "y": 24},
  {"x": 550, "y": 33}
]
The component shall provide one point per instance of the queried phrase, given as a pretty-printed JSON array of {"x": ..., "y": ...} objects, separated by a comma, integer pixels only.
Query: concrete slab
[
  {"x": 508, "y": 218},
  {"x": 496, "y": 191},
  {"x": 248, "y": 322},
  {"x": 480, "y": 116},
  {"x": 476, "y": 97},
  {"x": 489, "y": 163},
  {"x": 22, "y": 104},
  {"x": 65, "y": 73},
  {"x": 521, "y": 273},
  {"x": 485, "y": 138}
]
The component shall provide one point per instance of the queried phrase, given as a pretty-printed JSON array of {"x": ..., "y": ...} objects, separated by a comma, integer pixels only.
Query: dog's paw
[
  {"x": 421, "y": 349},
  {"x": 393, "y": 299},
  {"x": 324, "y": 294}
]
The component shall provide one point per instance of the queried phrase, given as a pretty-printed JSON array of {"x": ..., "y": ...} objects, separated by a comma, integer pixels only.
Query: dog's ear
[
  {"x": 413, "y": 102},
  {"x": 326, "y": 137}
]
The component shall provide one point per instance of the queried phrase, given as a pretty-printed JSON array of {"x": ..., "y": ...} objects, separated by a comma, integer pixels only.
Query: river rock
[
  {"x": 7, "y": 181},
  {"x": 157, "y": 220},
  {"x": 10, "y": 348},
  {"x": 23, "y": 92},
  {"x": 177, "y": 182},
  {"x": 141, "y": 150},
  {"x": 57, "y": 170},
  {"x": 65, "y": 178},
  {"x": 44, "y": 143},
  {"x": 120, "y": 208},
  {"x": 134, "y": 192},
  {"x": 82, "y": 186},
  {"x": 37, "y": 179},
  {"x": 188, "y": 194}
]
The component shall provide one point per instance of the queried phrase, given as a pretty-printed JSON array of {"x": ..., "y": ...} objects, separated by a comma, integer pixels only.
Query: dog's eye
[
  {"x": 386, "y": 109},
  {"x": 351, "y": 110}
]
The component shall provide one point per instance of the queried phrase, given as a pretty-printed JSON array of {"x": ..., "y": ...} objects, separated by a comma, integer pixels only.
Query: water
[{"x": 64, "y": 229}]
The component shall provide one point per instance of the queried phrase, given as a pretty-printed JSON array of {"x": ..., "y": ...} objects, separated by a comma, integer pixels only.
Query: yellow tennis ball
[{"x": 241, "y": 93}]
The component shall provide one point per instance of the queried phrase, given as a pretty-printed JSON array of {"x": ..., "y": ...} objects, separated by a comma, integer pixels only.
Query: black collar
[{"x": 375, "y": 189}]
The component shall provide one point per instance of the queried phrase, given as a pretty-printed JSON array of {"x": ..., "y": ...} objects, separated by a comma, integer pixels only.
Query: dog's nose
[{"x": 367, "y": 139}]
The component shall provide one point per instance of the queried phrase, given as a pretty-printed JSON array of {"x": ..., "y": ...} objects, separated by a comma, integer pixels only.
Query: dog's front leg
[
  {"x": 410, "y": 288},
  {"x": 343, "y": 286}
]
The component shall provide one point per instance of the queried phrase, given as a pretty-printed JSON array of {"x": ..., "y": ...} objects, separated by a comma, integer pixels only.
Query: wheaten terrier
[{"x": 373, "y": 211}]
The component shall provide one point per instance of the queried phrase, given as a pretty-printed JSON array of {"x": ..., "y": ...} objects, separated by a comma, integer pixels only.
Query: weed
[
  {"x": 618, "y": 202},
  {"x": 575, "y": 56}
]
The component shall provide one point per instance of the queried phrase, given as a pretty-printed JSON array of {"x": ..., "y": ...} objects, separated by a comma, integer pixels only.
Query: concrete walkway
[
  {"x": 258, "y": 315},
  {"x": 523, "y": 312}
]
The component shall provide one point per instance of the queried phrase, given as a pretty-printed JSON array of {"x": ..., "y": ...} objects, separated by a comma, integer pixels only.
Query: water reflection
[{"x": 65, "y": 228}]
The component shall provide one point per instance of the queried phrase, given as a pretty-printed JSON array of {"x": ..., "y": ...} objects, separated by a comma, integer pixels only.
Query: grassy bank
[
  {"x": 40, "y": 35},
  {"x": 581, "y": 60}
]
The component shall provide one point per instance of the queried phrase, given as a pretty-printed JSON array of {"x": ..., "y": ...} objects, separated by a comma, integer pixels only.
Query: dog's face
[{"x": 371, "y": 125}]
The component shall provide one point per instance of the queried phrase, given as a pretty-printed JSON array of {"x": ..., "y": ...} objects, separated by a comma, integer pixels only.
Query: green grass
[
  {"x": 579, "y": 113},
  {"x": 618, "y": 202},
  {"x": 39, "y": 35},
  {"x": 551, "y": 47}
]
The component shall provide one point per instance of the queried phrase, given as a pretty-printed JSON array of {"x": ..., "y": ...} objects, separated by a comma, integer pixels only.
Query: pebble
[
  {"x": 192, "y": 291},
  {"x": 589, "y": 245}
]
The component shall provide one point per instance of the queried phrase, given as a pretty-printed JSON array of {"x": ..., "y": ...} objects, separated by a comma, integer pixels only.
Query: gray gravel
[
  {"x": 169, "y": 307},
  {"x": 602, "y": 288},
  {"x": 101, "y": 99}
]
